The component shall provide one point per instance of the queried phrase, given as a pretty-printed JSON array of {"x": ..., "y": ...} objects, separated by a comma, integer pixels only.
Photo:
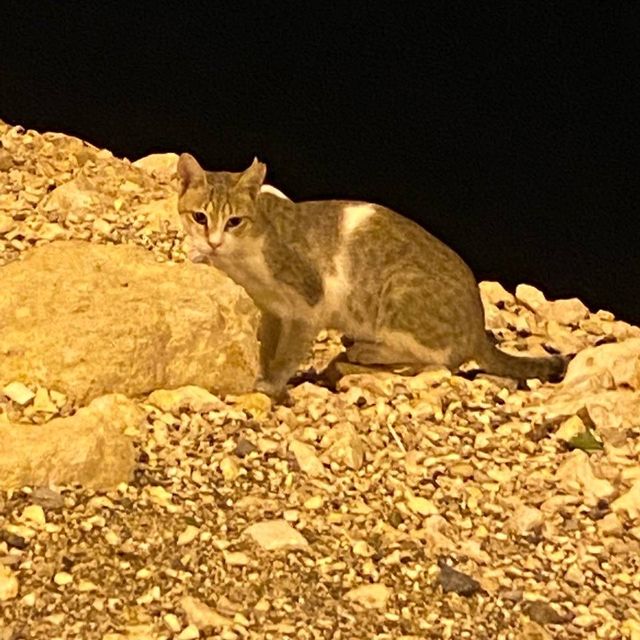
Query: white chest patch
[{"x": 354, "y": 216}]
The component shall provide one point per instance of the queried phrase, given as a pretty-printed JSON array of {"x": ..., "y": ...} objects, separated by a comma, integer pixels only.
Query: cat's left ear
[
  {"x": 253, "y": 177},
  {"x": 191, "y": 174}
]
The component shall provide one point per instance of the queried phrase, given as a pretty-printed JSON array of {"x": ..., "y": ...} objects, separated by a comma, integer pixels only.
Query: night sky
[{"x": 507, "y": 129}]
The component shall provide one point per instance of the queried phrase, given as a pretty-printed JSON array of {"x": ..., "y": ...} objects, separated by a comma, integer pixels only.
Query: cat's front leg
[
  {"x": 294, "y": 341},
  {"x": 269, "y": 336}
]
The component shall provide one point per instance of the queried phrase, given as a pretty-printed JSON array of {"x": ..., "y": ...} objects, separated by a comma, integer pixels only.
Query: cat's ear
[
  {"x": 191, "y": 174},
  {"x": 253, "y": 177}
]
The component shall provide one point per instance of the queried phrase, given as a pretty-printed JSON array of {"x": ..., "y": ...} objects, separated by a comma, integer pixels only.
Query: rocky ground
[{"x": 431, "y": 506}]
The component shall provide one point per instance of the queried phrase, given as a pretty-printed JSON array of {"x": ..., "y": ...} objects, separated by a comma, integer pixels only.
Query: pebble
[
  {"x": 62, "y": 578},
  {"x": 8, "y": 584},
  {"x": 452, "y": 580},
  {"x": 370, "y": 596},
  {"x": 18, "y": 392},
  {"x": 172, "y": 622},
  {"x": 272, "y": 535},
  {"x": 34, "y": 513},
  {"x": 544, "y": 613},
  {"x": 188, "y": 535},
  {"x": 200, "y": 615}
]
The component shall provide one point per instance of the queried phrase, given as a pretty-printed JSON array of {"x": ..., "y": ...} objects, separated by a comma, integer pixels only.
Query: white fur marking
[
  {"x": 354, "y": 215},
  {"x": 267, "y": 188}
]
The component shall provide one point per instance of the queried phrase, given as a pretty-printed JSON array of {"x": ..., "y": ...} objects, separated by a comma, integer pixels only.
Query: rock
[
  {"x": 34, "y": 513},
  {"x": 188, "y": 535},
  {"x": 190, "y": 397},
  {"x": 18, "y": 392},
  {"x": 7, "y": 223},
  {"x": 420, "y": 505},
  {"x": 629, "y": 502},
  {"x": 532, "y": 631},
  {"x": 344, "y": 446},
  {"x": 530, "y": 297},
  {"x": 544, "y": 613},
  {"x": 272, "y": 535},
  {"x": 229, "y": 468},
  {"x": 570, "y": 428},
  {"x": 42, "y": 402},
  {"x": 493, "y": 293},
  {"x": 370, "y": 596},
  {"x": 568, "y": 311},
  {"x": 525, "y": 520},
  {"x": 88, "y": 447},
  {"x": 256, "y": 404},
  {"x": 160, "y": 164},
  {"x": 452, "y": 580},
  {"x": 8, "y": 584},
  {"x": 612, "y": 363},
  {"x": 109, "y": 318},
  {"x": 576, "y": 472},
  {"x": 202, "y": 616},
  {"x": 190, "y": 632},
  {"x": 306, "y": 457}
]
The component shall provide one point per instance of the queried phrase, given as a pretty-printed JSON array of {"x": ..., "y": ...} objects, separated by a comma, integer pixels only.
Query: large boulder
[
  {"x": 89, "y": 319},
  {"x": 89, "y": 447}
]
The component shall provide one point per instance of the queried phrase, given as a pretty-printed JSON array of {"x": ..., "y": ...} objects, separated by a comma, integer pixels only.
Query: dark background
[{"x": 508, "y": 129}]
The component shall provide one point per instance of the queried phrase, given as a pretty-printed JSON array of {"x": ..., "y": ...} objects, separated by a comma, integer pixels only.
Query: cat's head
[{"x": 218, "y": 209}]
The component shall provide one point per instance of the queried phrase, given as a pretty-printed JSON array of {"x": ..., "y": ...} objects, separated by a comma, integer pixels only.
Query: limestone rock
[
  {"x": 188, "y": 397},
  {"x": 202, "y": 615},
  {"x": 306, "y": 458},
  {"x": 530, "y": 297},
  {"x": 96, "y": 319},
  {"x": 629, "y": 502},
  {"x": 8, "y": 584},
  {"x": 565, "y": 311},
  {"x": 344, "y": 446},
  {"x": 88, "y": 447},
  {"x": 576, "y": 472},
  {"x": 525, "y": 519},
  {"x": 272, "y": 535},
  {"x": 159, "y": 164},
  {"x": 613, "y": 364},
  {"x": 493, "y": 293},
  {"x": 370, "y": 596}
]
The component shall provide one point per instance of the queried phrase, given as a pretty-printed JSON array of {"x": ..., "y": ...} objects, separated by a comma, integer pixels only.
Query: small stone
[
  {"x": 190, "y": 632},
  {"x": 42, "y": 401},
  {"x": 272, "y": 535},
  {"x": 370, "y": 596},
  {"x": 344, "y": 446},
  {"x": 574, "y": 575},
  {"x": 452, "y": 580},
  {"x": 569, "y": 311},
  {"x": 18, "y": 392},
  {"x": 525, "y": 519},
  {"x": 201, "y": 615},
  {"x": 610, "y": 525},
  {"x": 8, "y": 584},
  {"x": 229, "y": 468},
  {"x": 7, "y": 223},
  {"x": 34, "y": 513},
  {"x": 47, "y": 498},
  {"x": 307, "y": 458},
  {"x": 256, "y": 404},
  {"x": 585, "y": 621},
  {"x": 577, "y": 469},
  {"x": 494, "y": 293},
  {"x": 314, "y": 502},
  {"x": 570, "y": 428},
  {"x": 236, "y": 558},
  {"x": 629, "y": 502},
  {"x": 189, "y": 534},
  {"x": 544, "y": 613},
  {"x": 172, "y": 622},
  {"x": 189, "y": 397},
  {"x": 62, "y": 578},
  {"x": 87, "y": 586},
  {"x": 530, "y": 297},
  {"x": 421, "y": 506},
  {"x": 28, "y": 599},
  {"x": 244, "y": 448}
]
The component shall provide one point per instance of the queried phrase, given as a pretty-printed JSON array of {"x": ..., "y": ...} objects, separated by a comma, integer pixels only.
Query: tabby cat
[{"x": 402, "y": 296}]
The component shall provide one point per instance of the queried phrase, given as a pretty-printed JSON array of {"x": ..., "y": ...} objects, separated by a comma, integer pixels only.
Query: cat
[{"x": 400, "y": 295}]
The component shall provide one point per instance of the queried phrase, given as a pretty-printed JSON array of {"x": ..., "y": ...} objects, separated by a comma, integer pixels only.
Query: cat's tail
[{"x": 499, "y": 363}]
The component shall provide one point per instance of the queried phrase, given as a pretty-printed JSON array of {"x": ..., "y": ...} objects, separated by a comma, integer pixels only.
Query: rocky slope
[{"x": 431, "y": 506}]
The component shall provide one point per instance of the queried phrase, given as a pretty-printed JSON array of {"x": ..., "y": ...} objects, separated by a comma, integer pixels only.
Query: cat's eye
[
  {"x": 233, "y": 222},
  {"x": 200, "y": 217}
]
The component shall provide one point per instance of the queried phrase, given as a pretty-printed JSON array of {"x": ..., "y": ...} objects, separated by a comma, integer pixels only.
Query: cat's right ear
[{"x": 191, "y": 174}]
